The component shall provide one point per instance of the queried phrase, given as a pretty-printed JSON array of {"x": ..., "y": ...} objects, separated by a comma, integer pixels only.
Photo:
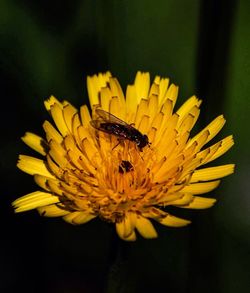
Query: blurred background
[{"x": 49, "y": 47}]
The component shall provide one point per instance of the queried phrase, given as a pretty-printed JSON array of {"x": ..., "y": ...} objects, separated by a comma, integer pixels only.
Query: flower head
[{"x": 127, "y": 160}]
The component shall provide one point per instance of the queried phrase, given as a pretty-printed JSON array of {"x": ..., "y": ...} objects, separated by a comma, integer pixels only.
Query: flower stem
[{"x": 118, "y": 280}]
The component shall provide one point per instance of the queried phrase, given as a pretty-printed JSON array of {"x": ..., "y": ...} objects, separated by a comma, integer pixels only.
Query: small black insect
[
  {"x": 109, "y": 123},
  {"x": 125, "y": 166}
]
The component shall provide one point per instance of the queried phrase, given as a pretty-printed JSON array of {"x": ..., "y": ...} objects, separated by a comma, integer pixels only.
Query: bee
[
  {"x": 125, "y": 166},
  {"x": 111, "y": 124}
]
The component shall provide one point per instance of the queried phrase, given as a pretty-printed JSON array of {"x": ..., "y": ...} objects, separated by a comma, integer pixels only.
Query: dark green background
[{"x": 49, "y": 47}]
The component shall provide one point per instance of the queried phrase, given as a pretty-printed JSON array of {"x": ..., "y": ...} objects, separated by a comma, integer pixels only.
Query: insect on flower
[
  {"x": 81, "y": 178},
  {"x": 111, "y": 124},
  {"x": 125, "y": 166}
]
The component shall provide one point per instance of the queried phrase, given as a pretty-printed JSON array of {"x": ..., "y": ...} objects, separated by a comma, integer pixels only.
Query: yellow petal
[
  {"x": 142, "y": 84},
  {"x": 57, "y": 115},
  {"x": 167, "y": 138},
  {"x": 34, "y": 200},
  {"x": 52, "y": 211},
  {"x": 153, "y": 106},
  {"x": 212, "y": 173},
  {"x": 33, "y": 166},
  {"x": 85, "y": 115},
  {"x": 117, "y": 91},
  {"x": 94, "y": 85},
  {"x": 143, "y": 126},
  {"x": 187, "y": 107},
  {"x": 35, "y": 142},
  {"x": 51, "y": 132},
  {"x": 120, "y": 231},
  {"x": 200, "y": 203},
  {"x": 201, "y": 140},
  {"x": 89, "y": 149},
  {"x": 167, "y": 108},
  {"x": 131, "y": 237},
  {"x": 41, "y": 181},
  {"x": 73, "y": 151},
  {"x": 145, "y": 228},
  {"x": 186, "y": 125},
  {"x": 75, "y": 126},
  {"x": 172, "y": 94},
  {"x": 225, "y": 145},
  {"x": 213, "y": 128},
  {"x": 55, "y": 186},
  {"x": 83, "y": 218},
  {"x": 151, "y": 135},
  {"x": 105, "y": 98},
  {"x": 58, "y": 154},
  {"x": 173, "y": 221},
  {"x": 157, "y": 121},
  {"x": 83, "y": 133},
  {"x": 163, "y": 86},
  {"x": 54, "y": 168},
  {"x": 154, "y": 90},
  {"x": 131, "y": 102},
  {"x": 183, "y": 200},
  {"x": 68, "y": 113},
  {"x": 115, "y": 108},
  {"x": 77, "y": 218},
  {"x": 142, "y": 110},
  {"x": 199, "y": 188},
  {"x": 125, "y": 229},
  {"x": 50, "y": 102}
]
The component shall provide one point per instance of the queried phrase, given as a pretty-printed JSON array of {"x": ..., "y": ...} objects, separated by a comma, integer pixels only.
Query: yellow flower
[{"x": 86, "y": 172}]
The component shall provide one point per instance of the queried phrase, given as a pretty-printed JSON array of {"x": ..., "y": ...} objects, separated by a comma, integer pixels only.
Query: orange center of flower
[{"x": 119, "y": 179}]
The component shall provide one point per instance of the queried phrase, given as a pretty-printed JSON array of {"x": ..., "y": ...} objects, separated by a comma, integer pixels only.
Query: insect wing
[
  {"x": 106, "y": 117},
  {"x": 110, "y": 118},
  {"x": 96, "y": 124}
]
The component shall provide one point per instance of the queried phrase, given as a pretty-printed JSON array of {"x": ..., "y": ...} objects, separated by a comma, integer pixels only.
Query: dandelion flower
[{"x": 85, "y": 172}]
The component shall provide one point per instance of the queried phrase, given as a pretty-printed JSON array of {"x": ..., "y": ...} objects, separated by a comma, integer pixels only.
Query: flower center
[{"x": 112, "y": 177}]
